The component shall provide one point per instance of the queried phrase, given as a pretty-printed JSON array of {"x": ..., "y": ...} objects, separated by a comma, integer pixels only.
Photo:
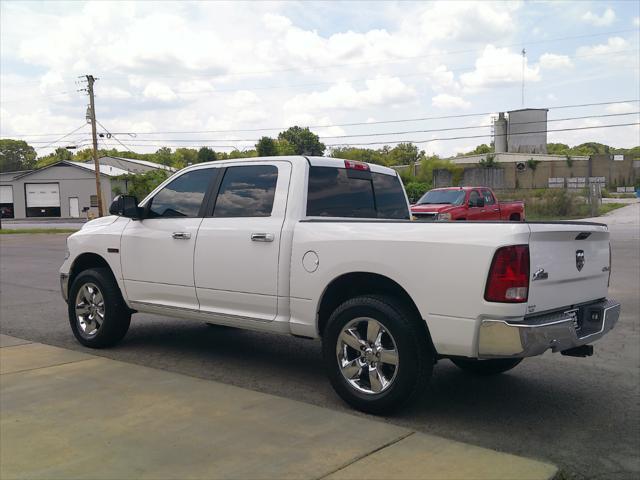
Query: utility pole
[
  {"x": 524, "y": 52},
  {"x": 91, "y": 116}
]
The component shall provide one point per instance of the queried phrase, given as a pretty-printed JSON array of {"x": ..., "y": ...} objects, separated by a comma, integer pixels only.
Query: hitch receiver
[{"x": 581, "y": 351}]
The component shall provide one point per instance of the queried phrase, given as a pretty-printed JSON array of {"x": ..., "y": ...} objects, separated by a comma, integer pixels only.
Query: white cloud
[
  {"x": 446, "y": 101},
  {"x": 614, "y": 51},
  {"x": 552, "y": 61},
  {"x": 386, "y": 91},
  {"x": 468, "y": 21},
  {"x": 636, "y": 21},
  {"x": 621, "y": 108},
  {"x": 604, "y": 20},
  {"x": 497, "y": 67},
  {"x": 159, "y": 91}
]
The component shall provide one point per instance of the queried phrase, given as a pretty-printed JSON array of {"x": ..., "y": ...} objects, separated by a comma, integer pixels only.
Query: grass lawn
[
  {"x": 10, "y": 231},
  {"x": 604, "y": 209}
]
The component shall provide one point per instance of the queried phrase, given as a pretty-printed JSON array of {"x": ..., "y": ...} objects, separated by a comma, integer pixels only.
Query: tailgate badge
[
  {"x": 579, "y": 259},
  {"x": 539, "y": 274}
]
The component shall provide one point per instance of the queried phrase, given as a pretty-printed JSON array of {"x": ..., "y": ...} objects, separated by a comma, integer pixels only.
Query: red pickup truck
[{"x": 465, "y": 203}]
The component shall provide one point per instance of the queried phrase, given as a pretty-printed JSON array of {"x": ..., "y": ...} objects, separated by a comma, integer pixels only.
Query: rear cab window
[{"x": 338, "y": 192}]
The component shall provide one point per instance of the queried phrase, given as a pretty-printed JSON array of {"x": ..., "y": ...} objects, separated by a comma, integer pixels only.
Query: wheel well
[
  {"x": 351, "y": 285},
  {"x": 84, "y": 262},
  {"x": 515, "y": 217}
]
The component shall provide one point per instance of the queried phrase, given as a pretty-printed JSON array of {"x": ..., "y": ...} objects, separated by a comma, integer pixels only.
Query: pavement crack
[
  {"x": 365, "y": 455},
  {"x": 47, "y": 366}
]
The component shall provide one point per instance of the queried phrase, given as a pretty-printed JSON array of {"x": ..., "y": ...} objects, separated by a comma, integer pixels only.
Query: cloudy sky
[{"x": 232, "y": 72}]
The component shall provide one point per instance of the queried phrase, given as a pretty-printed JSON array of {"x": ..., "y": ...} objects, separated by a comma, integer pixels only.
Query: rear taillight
[{"x": 508, "y": 280}]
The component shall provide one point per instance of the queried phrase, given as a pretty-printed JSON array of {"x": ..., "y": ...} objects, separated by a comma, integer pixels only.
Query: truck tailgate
[{"x": 569, "y": 264}]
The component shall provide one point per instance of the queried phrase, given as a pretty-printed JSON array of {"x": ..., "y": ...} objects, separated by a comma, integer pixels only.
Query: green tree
[
  {"x": 480, "y": 149},
  {"x": 142, "y": 184},
  {"x": 205, "y": 154},
  {"x": 16, "y": 155},
  {"x": 164, "y": 156},
  {"x": 304, "y": 141},
  {"x": 405, "y": 154},
  {"x": 267, "y": 147}
]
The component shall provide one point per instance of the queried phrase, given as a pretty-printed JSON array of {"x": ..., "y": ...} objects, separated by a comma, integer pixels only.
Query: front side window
[
  {"x": 247, "y": 191},
  {"x": 183, "y": 196},
  {"x": 474, "y": 196}
]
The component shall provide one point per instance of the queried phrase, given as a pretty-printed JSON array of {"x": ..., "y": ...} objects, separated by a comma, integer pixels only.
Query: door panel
[
  {"x": 475, "y": 213},
  {"x": 491, "y": 207},
  {"x": 157, "y": 252},
  {"x": 156, "y": 267},
  {"x": 235, "y": 274},
  {"x": 74, "y": 207}
]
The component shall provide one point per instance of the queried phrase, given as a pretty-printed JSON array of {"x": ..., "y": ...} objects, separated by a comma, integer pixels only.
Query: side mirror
[{"x": 125, "y": 206}]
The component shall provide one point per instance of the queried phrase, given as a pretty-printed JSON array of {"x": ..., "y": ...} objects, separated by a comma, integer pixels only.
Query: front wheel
[
  {"x": 491, "y": 366},
  {"x": 97, "y": 313},
  {"x": 377, "y": 356}
]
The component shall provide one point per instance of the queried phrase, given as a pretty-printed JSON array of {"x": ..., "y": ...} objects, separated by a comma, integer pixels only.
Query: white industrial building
[{"x": 66, "y": 189}]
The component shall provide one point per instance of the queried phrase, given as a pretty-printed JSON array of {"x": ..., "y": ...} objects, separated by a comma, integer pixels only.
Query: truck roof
[
  {"x": 313, "y": 161},
  {"x": 465, "y": 189}
]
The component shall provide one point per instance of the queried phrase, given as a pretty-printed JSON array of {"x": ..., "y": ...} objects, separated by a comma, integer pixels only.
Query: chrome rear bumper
[{"x": 557, "y": 331}]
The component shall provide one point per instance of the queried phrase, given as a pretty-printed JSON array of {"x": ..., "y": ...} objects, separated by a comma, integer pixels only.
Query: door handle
[
  {"x": 262, "y": 237},
  {"x": 496, "y": 209},
  {"x": 181, "y": 235}
]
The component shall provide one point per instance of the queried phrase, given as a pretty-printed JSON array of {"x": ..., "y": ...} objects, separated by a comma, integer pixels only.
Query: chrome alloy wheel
[
  {"x": 367, "y": 355},
  {"x": 89, "y": 309}
]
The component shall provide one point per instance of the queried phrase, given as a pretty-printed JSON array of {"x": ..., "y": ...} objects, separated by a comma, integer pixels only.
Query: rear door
[
  {"x": 569, "y": 264},
  {"x": 491, "y": 207},
  {"x": 238, "y": 246}
]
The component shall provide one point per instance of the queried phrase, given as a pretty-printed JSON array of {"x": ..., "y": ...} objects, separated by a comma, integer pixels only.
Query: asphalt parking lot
[{"x": 581, "y": 414}]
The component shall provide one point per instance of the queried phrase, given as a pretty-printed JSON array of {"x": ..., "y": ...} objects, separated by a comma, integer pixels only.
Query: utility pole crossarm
[{"x": 92, "y": 117}]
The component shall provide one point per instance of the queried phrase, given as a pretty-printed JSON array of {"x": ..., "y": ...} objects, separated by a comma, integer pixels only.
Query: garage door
[
  {"x": 6, "y": 201},
  {"x": 43, "y": 199}
]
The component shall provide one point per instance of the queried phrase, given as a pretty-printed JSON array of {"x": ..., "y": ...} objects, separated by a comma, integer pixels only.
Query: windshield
[{"x": 452, "y": 197}]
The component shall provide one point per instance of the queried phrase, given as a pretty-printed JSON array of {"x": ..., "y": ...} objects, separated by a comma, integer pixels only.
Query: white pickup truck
[{"x": 325, "y": 248}]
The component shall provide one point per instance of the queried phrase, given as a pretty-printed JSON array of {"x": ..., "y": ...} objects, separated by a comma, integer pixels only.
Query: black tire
[
  {"x": 514, "y": 217},
  {"x": 492, "y": 366},
  {"x": 415, "y": 354},
  {"x": 117, "y": 315}
]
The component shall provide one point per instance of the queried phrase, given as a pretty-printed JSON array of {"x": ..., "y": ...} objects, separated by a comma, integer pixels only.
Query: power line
[
  {"x": 352, "y": 124},
  {"x": 486, "y": 135},
  {"x": 63, "y": 137},
  {"x": 463, "y": 137},
  {"x": 380, "y": 134},
  {"x": 115, "y": 138},
  {"x": 381, "y": 122}
]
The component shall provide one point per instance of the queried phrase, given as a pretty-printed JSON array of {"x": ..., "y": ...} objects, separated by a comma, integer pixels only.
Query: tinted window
[
  {"x": 488, "y": 197},
  {"x": 183, "y": 196},
  {"x": 390, "y": 199},
  {"x": 474, "y": 196},
  {"x": 247, "y": 192},
  {"x": 435, "y": 197},
  {"x": 332, "y": 193}
]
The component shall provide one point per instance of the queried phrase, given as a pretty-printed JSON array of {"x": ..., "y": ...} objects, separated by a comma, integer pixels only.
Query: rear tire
[
  {"x": 492, "y": 366},
  {"x": 98, "y": 314},
  {"x": 514, "y": 217},
  {"x": 376, "y": 376}
]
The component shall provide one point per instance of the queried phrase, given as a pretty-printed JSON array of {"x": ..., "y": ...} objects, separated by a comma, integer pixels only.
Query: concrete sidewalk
[{"x": 66, "y": 414}]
